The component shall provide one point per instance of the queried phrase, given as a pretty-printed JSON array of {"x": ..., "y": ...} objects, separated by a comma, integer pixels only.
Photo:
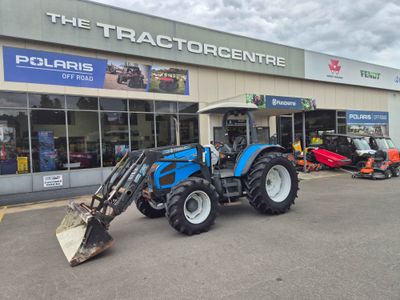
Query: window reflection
[
  {"x": 166, "y": 130},
  {"x": 14, "y": 145},
  {"x": 115, "y": 137},
  {"x": 49, "y": 142},
  {"x": 142, "y": 131},
  {"x": 84, "y": 141}
]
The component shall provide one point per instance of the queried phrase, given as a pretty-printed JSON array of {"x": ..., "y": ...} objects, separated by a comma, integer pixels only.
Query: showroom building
[{"x": 81, "y": 83}]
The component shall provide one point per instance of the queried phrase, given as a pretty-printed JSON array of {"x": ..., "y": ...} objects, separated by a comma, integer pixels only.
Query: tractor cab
[{"x": 235, "y": 138}]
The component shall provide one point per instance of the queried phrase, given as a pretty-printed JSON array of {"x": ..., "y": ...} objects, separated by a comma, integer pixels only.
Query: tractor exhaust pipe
[{"x": 82, "y": 235}]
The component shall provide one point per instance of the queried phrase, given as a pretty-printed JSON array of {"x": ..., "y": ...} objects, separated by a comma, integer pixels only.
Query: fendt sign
[{"x": 168, "y": 42}]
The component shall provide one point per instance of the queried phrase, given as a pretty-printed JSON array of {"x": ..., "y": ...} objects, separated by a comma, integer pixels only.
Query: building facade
[{"x": 81, "y": 83}]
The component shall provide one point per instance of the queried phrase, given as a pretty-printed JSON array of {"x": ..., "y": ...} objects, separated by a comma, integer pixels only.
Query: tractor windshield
[{"x": 361, "y": 144}]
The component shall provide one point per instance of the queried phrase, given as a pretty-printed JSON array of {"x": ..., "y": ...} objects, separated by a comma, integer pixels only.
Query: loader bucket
[{"x": 81, "y": 235}]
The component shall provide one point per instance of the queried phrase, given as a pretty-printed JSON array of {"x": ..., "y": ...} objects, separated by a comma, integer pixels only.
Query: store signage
[
  {"x": 280, "y": 102},
  {"x": 283, "y": 102},
  {"x": 33, "y": 66},
  {"x": 27, "y": 65},
  {"x": 369, "y": 74},
  {"x": 367, "y": 117},
  {"x": 323, "y": 67},
  {"x": 52, "y": 181},
  {"x": 334, "y": 67},
  {"x": 111, "y": 31}
]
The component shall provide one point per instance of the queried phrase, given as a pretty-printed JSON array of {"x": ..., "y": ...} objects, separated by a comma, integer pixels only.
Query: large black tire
[
  {"x": 257, "y": 193},
  {"x": 119, "y": 79},
  {"x": 148, "y": 210},
  {"x": 178, "y": 202},
  {"x": 396, "y": 172}
]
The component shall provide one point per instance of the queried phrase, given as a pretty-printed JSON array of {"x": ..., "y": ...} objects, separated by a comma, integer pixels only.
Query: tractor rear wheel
[
  {"x": 149, "y": 208},
  {"x": 192, "y": 206},
  {"x": 272, "y": 183}
]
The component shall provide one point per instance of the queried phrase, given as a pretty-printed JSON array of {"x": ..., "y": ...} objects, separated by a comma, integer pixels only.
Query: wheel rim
[
  {"x": 278, "y": 183},
  {"x": 157, "y": 206},
  {"x": 197, "y": 207}
]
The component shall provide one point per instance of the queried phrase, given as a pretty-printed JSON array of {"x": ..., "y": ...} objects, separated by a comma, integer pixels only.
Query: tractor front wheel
[
  {"x": 192, "y": 206},
  {"x": 272, "y": 183},
  {"x": 149, "y": 208}
]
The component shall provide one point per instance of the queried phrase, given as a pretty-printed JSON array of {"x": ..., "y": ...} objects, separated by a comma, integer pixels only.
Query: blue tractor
[{"x": 187, "y": 184}]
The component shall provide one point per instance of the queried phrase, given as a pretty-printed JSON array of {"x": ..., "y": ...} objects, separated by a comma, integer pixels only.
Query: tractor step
[{"x": 235, "y": 203}]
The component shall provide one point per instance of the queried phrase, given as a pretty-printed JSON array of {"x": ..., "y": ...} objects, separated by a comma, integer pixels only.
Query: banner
[
  {"x": 367, "y": 117},
  {"x": 328, "y": 68},
  {"x": 33, "y": 66},
  {"x": 280, "y": 102},
  {"x": 26, "y": 65}
]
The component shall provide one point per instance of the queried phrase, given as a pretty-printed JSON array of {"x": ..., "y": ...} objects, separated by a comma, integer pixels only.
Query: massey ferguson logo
[{"x": 334, "y": 67}]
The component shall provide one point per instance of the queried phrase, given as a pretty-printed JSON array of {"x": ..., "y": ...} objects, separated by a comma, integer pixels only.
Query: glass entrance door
[{"x": 285, "y": 132}]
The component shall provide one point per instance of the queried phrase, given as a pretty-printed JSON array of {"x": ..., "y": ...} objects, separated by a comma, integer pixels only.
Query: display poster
[
  {"x": 119, "y": 151},
  {"x": 169, "y": 80},
  {"x": 22, "y": 164},
  {"x": 47, "y": 153}
]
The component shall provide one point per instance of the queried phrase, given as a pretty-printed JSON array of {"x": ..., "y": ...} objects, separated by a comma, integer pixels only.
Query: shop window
[
  {"x": 166, "y": 130},
  {"x": 165, "y": 107},
  {"x": 188, "y": 107},
  {"x": 316, "y": 122},
  {"x": 49, "y": 142},
  {"x": 76, "y": 102},
  {"x": 115, "y": 137},
  {"x": 189, "y": 129},
  {"x": 14, "y": 145},
  {"x": 12, "y": 99},
  {"x": 141, "y": 105},
  {"x": 84, "y": 141},
  {"x": 142, "y": 131},
  {"x": 46, "y": 101},
  {"x": 113, "y": 104}
]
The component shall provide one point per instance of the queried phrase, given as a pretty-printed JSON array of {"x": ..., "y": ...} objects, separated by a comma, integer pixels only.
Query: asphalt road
[{"x": 340, "y": 241}]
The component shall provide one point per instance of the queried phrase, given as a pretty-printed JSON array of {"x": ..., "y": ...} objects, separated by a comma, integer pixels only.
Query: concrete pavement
[{"x": 340, "y": 241}]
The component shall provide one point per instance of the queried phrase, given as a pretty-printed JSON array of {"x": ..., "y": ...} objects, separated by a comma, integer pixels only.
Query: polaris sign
[
  {"x": 283, "y": 102},
  {"x": 26, "y": 65},
  {"x": 367, "y": 117}
]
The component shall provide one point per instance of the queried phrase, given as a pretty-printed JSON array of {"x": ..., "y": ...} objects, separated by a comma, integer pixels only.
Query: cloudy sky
[{"x": 367, "y": 30}]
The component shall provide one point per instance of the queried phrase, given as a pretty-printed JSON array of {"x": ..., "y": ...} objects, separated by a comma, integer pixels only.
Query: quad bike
[
  {"x": 184, "y": 183},
  {"x": 168, "y": 83},
  {"x": 132, "y": 76}
]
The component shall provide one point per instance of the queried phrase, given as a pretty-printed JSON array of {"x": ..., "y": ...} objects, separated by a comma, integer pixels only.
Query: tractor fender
[{"x": 247, "y": 157}]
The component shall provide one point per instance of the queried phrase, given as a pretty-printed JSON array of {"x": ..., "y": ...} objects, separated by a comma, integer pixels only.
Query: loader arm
[{"x": 83, "y": 232}]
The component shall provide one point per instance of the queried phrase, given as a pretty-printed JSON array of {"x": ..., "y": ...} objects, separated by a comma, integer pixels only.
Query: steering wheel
[{"x": 239, "y": 143}]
